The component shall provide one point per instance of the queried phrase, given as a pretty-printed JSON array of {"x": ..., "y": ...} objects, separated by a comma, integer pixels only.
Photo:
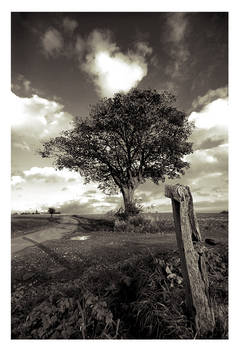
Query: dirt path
[{"x": 67, "y": 225}]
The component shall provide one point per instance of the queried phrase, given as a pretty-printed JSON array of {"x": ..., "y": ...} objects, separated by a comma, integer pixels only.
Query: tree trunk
[{"x": 128, "y": 197}]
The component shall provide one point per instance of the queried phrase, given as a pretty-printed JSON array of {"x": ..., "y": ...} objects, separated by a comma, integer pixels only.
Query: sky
[{"x": 62, "y": 63}]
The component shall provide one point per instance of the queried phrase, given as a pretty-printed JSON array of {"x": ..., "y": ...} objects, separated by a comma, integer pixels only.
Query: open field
[
  {"x": 22, "y": 224},
  {"x": 90, "y": 281}
]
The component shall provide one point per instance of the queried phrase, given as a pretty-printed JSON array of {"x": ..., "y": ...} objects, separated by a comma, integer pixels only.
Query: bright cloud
[
  {"x": 111, "y": 70},
  {"x": 16, "y": 180},
  {"x": 42, "y": 188},
  {"x": 52, "y": 42},
  {"x": 116, "y": 73},
  {"x": 34, "y": 118},
  {"x": 46, "y": 173},
  {"x": 215, "y": 114}
]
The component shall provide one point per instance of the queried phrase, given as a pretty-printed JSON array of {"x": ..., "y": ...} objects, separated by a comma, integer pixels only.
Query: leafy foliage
[
  {"x": 133, "y": 209},
  {"x": 70, "y": 317},
  {"x": 126, "y": 139}
]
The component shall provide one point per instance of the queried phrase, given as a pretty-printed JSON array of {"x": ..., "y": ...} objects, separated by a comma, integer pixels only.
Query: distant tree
[
  {"x": 126, "y": 140},
  {"x": 51, "y": 211}
]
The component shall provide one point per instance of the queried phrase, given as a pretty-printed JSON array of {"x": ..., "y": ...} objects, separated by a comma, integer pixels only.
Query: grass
[
  {"x": 22, "y": 224},
  {"x": 115, "y": 285}
]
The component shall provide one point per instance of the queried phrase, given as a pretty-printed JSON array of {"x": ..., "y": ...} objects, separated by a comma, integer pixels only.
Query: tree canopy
[{"x": 124, "y": 141}]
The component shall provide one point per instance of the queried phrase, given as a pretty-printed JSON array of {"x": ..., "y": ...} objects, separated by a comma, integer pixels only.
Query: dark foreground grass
[
  {"x": 139, "y": 298},
  {"x": 115, "y": 285}
]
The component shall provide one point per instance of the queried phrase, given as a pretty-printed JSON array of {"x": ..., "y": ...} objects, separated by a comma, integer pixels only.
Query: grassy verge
[
  {"x": 133, "y": 299},
  {"x": 114, "y": 285}
]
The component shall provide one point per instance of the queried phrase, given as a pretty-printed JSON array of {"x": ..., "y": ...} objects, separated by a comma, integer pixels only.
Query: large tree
[{"x": 126, "y": 140}]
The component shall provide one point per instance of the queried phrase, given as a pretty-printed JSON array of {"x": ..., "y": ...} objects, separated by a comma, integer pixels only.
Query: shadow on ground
[
  {"x": 56, "y": 257},
  {"x": 91, "y": 224}
]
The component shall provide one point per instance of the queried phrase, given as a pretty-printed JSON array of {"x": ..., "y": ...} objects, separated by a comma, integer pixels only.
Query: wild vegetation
[{"x": 114, "y": 285}]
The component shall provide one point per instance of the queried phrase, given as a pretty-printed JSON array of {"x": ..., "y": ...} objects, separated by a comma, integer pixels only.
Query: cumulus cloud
[
  {"x": 201, "y": 101},
  {"x": 111, "y": 70},
  {"x": 35, "y": 118},
  {"x": 215, "y": 114},
  {"x": 69, "y": 24},
  {"x": 210, "y": 137},
  {"x": 50, "y": 175},
  {"x": 211, "y": 124},
  {"x": 52, "y": 42},
  {"x": 98, "y": 55},
  {"x": 209, "y": 162},
  {"x": 16, "y": 180}
]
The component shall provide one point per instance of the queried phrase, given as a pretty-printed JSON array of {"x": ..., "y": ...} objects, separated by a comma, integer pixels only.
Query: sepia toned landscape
[
  {"x": 122, "y": 279},
  {"x": 119, "y": 219}
]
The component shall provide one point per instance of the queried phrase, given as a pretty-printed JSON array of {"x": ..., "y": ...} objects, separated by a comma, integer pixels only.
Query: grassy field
[
  {"x": 22, "y": 224},
  {"x": 98, "y": 283}
]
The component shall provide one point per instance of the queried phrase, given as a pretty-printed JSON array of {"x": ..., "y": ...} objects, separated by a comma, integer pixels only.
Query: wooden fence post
[{"x": 191, "y": 249}]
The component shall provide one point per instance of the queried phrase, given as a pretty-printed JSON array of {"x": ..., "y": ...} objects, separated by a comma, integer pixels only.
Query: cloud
[
  {"x": 16, "y": 180},
  {"x": 210, "y": 143},
  {"x": 45, "y": 186},
  {"x": 52, "y": 42},
  {"x": 175, "y": 38},
  {"x": 92, "y": 206},
  {"x": 211, "y": 95},
  {"x": 50, "y": 175},
  {"x": 211, "y": 121},
  {"x": 143, "y": 48},
  {"x": 76, "y": 207},
  {"x": 214, "y": 114},
  {"x": 177, "y": 24},
  {"x": 35, "y": 118},
  {"x": 210, "y": 139},
  {"x": 110, "y": 69},
  {"x": 21, "y": 85},
  {"x": 80, "y": 46},
  {"x": 99, "y": 56},
  {"x": 69, "y": 24}
]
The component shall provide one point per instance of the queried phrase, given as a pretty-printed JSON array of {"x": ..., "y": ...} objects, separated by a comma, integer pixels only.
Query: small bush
[
  {"x": 137, "y": 224},
  {"x": 132, "y": 210}
]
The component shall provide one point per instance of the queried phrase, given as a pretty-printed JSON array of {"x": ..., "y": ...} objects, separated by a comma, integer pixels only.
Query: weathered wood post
[{"x": 191, "y": 249}]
